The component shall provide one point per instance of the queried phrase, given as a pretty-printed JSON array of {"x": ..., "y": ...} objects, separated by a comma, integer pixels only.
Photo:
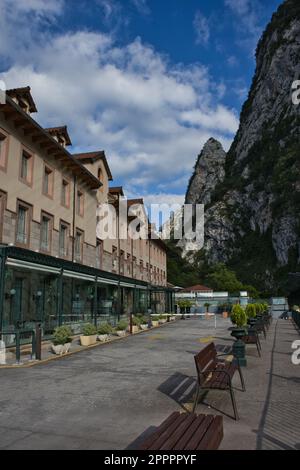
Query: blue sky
[{"x": 148, "y": 81}]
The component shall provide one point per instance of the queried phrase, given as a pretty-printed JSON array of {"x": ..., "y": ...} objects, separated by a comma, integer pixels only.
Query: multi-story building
[{"x": 53, "y": 266}]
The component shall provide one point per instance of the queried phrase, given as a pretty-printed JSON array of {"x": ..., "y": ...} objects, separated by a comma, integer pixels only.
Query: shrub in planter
[
  {"x": 89, "y": 335},
  {"x": 104, "y": 331},
  {"x": 162, "y": 319},
  {"x": 62, "y": 339},
  {"x": 143, "y": 323},
  {"x": 250, "y": 311},
  {"x": 121, "y": 328},
  {"x": 238, "y": 316},
  {"x": 155, "y": 320}
]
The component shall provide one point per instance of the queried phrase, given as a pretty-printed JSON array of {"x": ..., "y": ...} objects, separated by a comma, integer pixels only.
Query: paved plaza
[{"x": 111, "y": 396}]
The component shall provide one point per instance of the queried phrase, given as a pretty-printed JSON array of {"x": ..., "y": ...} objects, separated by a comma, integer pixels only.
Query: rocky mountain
[{"x": 252, "y": 194}]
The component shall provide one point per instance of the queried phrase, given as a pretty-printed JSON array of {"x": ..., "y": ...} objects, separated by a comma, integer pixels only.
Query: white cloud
[
  {"x": 201, "y": 27},
  {"x": 248, "y": 13},
  {"x": 150, "y": 116},
  {"x": 142, "y": 6}
]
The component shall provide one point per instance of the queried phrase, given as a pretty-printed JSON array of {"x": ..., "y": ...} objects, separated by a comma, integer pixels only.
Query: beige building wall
[{"x": 32, "y": 194}]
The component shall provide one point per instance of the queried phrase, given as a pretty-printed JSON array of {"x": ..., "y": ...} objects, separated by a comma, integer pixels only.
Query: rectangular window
[
  {"x": 65, "y": 193},
  {"x": 63, "y": 240},
  {"x": 26, "y": 169},
  {"x": 78, "y": 245},
  {"x": 23, "y": 224},
  {"x": 48, "y": 181},
  {"x": 46, "y": 229},
  {"x": 99, "y": 255},
  {"x": 114, "y": 258},
  {"x": 122, "y": 262},
  {"x": 80, "y": 203},
  {"x": 2, "y": 209},
  {"x": 3, "y": 150}
]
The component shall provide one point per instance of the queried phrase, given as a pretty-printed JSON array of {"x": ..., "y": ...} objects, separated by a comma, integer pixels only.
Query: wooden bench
[
  {"x": 186, "y": 431},
  {"x": 216, "y": 374}
]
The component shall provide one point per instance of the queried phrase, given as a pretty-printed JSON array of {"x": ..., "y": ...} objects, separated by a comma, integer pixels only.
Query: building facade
[{"x": 49, "y": 232}]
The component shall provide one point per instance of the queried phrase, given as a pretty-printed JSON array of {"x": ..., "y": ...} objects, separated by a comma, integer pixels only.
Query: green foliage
[
  {"x": 136, "y": 321},
  {"x": 250, "y": 311},
  {"x": 62, "y": 335},
  {"x": 89, "y": 330},
  {"x": 238, "y": 316},
  {"x": 105, "y": 329},
  {"x": 122, "y": 325},
  {"x": 221, "y": 278},
  {"x": 155, "y": 318},
  {"x": 207, "y": 305}
]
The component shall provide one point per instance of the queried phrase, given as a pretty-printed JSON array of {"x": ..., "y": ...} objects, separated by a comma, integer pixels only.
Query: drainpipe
[
  {"x": 2, "y": 280},
  {"x": 74, "y": 217}
]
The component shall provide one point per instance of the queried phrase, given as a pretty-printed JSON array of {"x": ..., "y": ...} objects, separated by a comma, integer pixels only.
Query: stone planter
[
  {"x": 121, "y": 333},
  {"x": 135, "y": 329},
  {"x": 60, "y": 349},
  {"x": 88, "y": 340},
  {"x": 155, "y": 323},
  {"x": 144, "y": 327},
  {"x": 172, "y": 318},
  {"x": 103, "y": 338},
  {"x": 162, "y": 321}
]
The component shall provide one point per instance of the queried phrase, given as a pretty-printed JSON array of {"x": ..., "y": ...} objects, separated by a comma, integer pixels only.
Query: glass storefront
[{"x": 36, "y": 288}]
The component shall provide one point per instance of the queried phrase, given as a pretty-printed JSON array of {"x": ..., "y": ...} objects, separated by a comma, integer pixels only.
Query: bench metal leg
[
  {"x": 196, "y": 397},
  {"x": 242, "y": 378},
  {"x": 258, "y": 349},
  {"x": 236, "y": 415}
]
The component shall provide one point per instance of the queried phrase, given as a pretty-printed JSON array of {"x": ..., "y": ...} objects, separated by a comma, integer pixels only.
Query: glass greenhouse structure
[{"x": 36, "y": 288}]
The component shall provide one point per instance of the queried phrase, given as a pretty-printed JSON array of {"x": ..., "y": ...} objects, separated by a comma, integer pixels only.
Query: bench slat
[
  {"x": 214, "y": 435},
  {"x": 159, "y": 442},
  {"x": 164, "y": 425},
  {"x": 171, "y": 442},
  {"x": 198, "y": 436},
  {"x": 190, "y": 432}
]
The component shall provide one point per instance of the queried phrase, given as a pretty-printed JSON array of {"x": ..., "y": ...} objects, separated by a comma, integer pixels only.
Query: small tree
[
  {"x": 238, "y": 316},
  {"x": 250, "y": 311}
]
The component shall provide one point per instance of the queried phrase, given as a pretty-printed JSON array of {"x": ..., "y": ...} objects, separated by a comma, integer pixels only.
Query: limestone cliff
[{"x": 253, "y": 198}]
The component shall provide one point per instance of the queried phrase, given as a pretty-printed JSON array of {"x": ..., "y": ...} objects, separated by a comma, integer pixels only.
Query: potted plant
[
  {"x": 135, "y": 324},
  {"x": 61, "y": 340},
  {"x": 155, "y": 320},
  {"x": 104, "y": 331},
  {"x": 121, "y": 328},
  {"x": 238, "y": 318},
  {"x": 89, "y": 335},
  {"x": 143, "y": 323},
  {"x": 251, "y": 314},
  {"x": 162, "y": 319}
]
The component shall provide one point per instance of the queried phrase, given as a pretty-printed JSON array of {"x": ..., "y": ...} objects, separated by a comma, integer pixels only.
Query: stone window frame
[
  {"x": 4, "y": 154},
  {"x": 50, "y": 217},
  {"x": 28, "y": 208},
  {"x": 51, "y": 171},
  {"x": 30, "y": 157}
]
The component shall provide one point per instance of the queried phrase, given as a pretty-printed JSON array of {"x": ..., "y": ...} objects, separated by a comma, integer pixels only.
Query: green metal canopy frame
[{"x": 12, "y": 253}]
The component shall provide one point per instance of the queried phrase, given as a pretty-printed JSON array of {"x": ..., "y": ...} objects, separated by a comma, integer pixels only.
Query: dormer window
[
  {"x": 23, "y": 98},
  {"x": 60, "y": 134}
]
